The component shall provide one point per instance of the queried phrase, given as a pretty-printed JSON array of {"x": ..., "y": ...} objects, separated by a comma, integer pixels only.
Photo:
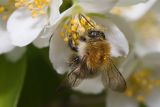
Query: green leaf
[
  {"x": 11, "y": 81},
  {"x": 66, "y": 4},
  {"x": 40, "y": 82}
]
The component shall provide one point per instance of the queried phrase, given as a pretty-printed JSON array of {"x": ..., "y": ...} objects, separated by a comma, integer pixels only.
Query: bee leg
[
  {"x": 82, "y": 38},
  {"x": 74, "y": 60},
  {"x": 70, "y": 44}
]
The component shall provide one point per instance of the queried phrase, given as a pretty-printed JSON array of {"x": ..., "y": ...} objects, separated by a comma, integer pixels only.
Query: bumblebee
[{"x": 93, "y": 58}]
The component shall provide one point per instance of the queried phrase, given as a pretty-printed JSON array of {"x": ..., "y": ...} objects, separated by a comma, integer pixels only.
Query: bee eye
[
  {"x": 92, "y": 34},
  {"x": 96, "y": 34}
]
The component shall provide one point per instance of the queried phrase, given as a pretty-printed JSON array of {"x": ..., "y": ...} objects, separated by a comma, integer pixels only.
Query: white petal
[
  {"x": 91, "y": 86},
  {"x": 117, "y": 40},
  {"x": 50, "y": 28},
  {"x": 129, "y": 65},
  {"x": 152, "y": 60},
  {"x": 157, "y": 6},
  {"x": 95, "y": 6},
  {"x": 144, "y": 47},
  {"x": 119, "y": 100},
  {"x": 15, "y": 54},
  {"x": 125, "y": 27},
  {"x": 130, "y": 2},
  {"x": 44, "y": 37},
  {"x": 5, "y": 43},
  {"x": 54, "y": 11},
  {"x": 153, "y": 99},
  {"x": 23, "y": 28},
  {"x": 135, "y": 12},
  {"x": 59, "y": 52},
  {"x": 41, "y": 42}
]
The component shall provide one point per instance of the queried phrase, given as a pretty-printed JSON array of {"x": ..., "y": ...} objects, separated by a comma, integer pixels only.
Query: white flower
[
  {"x": 147, "y": 36},
  {"x": 27, "y": 22},
  {"x": 146, "y": 27},
  {"x": 11, "y": 52},
  {"x": 134, "y": 12},
  {"x": 143, "y": 85},
  {"x": 73, "y": 20},
  {"x": 5, "y": 44},
  {"x": 145, "y": 23},
  {"x": 144, "y": 79},
  {"x": 144, "y": 19}
]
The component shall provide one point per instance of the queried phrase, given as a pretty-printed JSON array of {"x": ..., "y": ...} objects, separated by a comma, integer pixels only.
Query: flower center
[
  {"x": 75, "y": 27},
  {"x": 6, "y": 9},
  {"x": 140, "y": 84},
  {"x": 37, "y": 7}
]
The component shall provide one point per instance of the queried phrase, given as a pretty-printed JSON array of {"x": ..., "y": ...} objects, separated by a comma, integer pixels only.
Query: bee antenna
[{"x": 87, "y": 20}]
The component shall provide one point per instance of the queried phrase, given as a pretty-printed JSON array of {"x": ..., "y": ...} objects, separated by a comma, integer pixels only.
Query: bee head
[{"x": 95, "y": 34}]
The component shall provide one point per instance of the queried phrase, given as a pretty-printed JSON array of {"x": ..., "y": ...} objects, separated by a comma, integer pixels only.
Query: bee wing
[
  {"x": 74, "y": 76},
  {"x": 74, "y": 80},
  {"x": 69, "y": 81},
  {"x": 113, "y": 79}
]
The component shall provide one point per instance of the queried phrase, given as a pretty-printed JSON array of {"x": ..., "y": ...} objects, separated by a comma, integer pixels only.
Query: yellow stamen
[
  {"x": 17, "y": 5},
  {"x": 75, "y": 27},
  {"x": 2, "y": 9},
  {"x": 83, "y": 21},
  {"x": 30, "y": 7},
  {"x": 66, "y": 39},
  {"x": 140, "y": 84},
  {"x": 65, "y": 26},
  {"x": 74, "y": 36},
  {"x": 73, "y": 42},
  {"x": 6, "y": 9},
  {"x": 37, "y": 7},
  {"x": 74, "y": 21}
]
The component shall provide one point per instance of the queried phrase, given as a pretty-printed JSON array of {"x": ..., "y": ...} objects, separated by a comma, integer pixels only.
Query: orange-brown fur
[{"x": 97, "y": 54}]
